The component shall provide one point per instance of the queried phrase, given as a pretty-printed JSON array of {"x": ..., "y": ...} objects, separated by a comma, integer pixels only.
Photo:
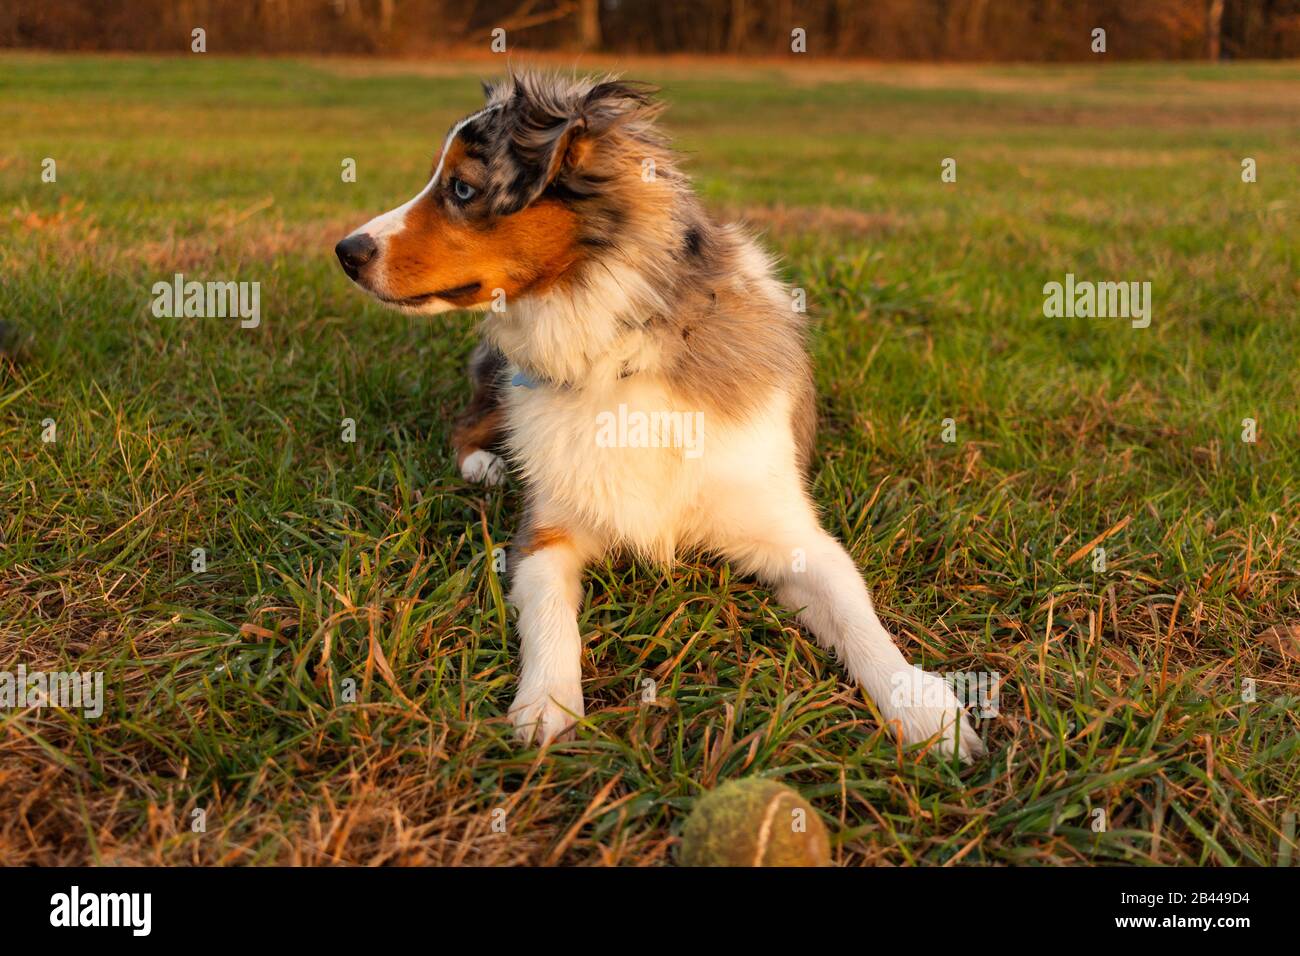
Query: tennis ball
[{"x": 754, "y": 822}]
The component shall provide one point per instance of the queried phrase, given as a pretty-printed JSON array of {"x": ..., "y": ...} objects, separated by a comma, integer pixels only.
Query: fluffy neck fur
[
  {"x": 597, "y": 324},
  {"x": 662, "y": 291}
]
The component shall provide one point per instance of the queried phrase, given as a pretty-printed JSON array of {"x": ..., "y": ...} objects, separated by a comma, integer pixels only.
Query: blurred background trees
[{"x": 873, "y": 29}]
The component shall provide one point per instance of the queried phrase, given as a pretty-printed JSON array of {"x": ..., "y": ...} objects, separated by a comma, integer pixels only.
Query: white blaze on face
[{"x": 394, "y": 221}]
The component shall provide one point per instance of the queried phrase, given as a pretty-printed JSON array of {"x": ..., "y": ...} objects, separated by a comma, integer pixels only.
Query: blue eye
[{"x": 462, "y": 190}]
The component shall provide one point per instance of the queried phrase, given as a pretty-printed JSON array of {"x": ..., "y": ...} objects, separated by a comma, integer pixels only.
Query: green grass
[{"x": 371, "y": 561}]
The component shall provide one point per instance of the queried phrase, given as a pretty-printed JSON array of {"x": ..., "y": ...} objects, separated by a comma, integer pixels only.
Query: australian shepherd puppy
[{"x": 642, "y": 369}]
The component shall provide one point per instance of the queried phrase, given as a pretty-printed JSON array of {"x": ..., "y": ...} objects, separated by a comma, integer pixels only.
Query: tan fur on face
[{"x": 439, "y": 249}]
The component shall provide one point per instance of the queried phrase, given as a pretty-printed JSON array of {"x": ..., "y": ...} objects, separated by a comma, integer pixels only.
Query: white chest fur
[{"x": 635, "y": 465}]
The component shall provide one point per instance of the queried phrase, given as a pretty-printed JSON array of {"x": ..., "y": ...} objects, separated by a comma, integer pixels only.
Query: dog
[{"x": 643, "y": 370}]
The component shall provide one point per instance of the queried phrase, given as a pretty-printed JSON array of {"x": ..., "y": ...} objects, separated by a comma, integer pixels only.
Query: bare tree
[
  {"x": 736, "y": 33},
  {"x": 1213, "y": 29},
  {"x": 1041, "y": 30},
  {"x": 589, "y": 24}
]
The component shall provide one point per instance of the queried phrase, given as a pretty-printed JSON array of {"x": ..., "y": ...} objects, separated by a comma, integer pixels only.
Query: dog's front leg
[
  {"x": 837, "y": 607},
  {"x": 547, "y": 590},
  {"x": 814, "y": 575}
]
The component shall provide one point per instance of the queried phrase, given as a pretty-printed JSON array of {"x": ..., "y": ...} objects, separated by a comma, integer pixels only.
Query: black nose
[{"x": 355, "y": 251}]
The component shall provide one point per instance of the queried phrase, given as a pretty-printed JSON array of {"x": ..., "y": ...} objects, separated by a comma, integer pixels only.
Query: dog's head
[{"x": 521, "y": 194}]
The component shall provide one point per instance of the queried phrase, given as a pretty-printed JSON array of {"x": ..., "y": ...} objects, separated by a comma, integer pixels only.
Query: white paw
[
  {"x": 925, "y": 707},
  {"x": 483, "y": 466},
  {"x": 546, "y": 714}
]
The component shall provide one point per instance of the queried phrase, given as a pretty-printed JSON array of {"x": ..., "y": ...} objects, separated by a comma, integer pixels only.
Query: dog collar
[{"x": 522, "y": 379}]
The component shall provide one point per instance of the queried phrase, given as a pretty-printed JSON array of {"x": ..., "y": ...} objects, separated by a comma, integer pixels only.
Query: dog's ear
[
  {"x": 606, "y": 107},
  {"x": 612, "y": 103},
  {"x": 543, "y": 124},
  {"x": 553, "y": 132}
]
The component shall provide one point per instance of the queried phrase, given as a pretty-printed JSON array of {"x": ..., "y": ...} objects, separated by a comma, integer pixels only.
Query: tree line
[{"x": 997, "y": 30}]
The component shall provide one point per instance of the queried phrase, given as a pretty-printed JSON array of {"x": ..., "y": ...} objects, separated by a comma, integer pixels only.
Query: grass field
[{"x": 371, "y": 561}]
